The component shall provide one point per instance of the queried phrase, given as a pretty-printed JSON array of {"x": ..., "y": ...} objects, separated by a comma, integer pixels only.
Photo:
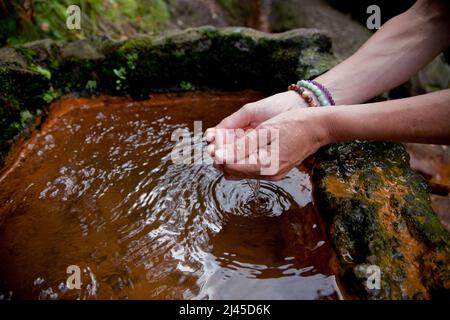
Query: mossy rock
[{"x": 379, "y": 214}]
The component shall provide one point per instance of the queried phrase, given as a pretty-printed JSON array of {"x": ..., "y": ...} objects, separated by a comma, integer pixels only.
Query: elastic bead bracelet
[
  {"x": 305, "y": 95},
  {"x": 316, "y": 90},
  {"x": 324, "y": 90},
  {"x": 320, "y": 92}
]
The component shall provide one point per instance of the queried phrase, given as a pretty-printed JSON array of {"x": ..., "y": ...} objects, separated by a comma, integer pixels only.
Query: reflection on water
[{"x": 96, "y": 188}]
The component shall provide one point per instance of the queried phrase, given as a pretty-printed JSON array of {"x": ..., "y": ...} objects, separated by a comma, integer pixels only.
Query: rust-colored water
[{"x": 95, "y": 187}]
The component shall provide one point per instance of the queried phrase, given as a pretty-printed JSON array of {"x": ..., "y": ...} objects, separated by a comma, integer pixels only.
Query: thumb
[
  {"x": 244, "y": 146},
  {"x": 239, "y": 119}
]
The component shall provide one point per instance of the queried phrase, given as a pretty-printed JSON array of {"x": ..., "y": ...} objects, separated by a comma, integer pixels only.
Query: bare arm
[
  {"x": 424, "y": 119},
  {"x": 396, "y": 52}
]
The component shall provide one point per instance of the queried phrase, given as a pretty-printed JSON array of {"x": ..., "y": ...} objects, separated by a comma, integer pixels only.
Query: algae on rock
[{"x": 379, "y": 214}]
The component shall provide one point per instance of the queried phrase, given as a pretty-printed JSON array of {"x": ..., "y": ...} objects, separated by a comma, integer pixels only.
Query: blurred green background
[{"x": 27, "y": 20}]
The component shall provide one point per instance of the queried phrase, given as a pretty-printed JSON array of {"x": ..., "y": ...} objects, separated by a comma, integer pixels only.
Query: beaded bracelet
[
  {"x": 320, "y": 92},
  {"x": 304, "y": 94},
  {"x": 324, "y": 90}
]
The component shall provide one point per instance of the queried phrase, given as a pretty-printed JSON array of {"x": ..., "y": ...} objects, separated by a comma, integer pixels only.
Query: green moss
[
  {"x": 322, "y": 62},
  {"x": 91, "y": 86},
  {"x": 131, "y": 60},
  {"x": 186, "y": 86},
  {"x": 153, "y": 14},
  {"x": 42, "y": 71},
  {"x": 19, "y": 98},
  {"x": 49, "y": 19},
  {"x": 72, "y": 74},
  {"x": 51, "y": 95},
  {"x": 27, "y": 53}
]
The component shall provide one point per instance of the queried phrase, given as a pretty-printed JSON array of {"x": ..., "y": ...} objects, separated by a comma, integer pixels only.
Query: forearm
[
  {"x": 423, "y": 119},
  {"x": 396, "y": 52}
]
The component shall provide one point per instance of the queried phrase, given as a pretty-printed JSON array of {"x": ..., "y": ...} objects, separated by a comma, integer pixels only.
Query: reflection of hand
[
  {"x": 251, "y": 115},
  {"x": 300, "y": 134}
]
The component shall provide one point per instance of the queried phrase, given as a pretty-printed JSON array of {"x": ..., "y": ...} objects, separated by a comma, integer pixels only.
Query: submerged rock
[{"x": 379, "y": 214}]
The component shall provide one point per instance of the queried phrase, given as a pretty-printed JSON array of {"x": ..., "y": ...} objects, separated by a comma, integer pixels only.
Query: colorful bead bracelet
[
  {"x": 304, "y": 94},
  {"x": 324, "y": 90},
  {"x": 320, "y": 92}
]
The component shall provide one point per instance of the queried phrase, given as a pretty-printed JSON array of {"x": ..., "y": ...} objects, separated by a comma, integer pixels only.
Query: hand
[
  {"x": 251, "y": 115},
  {"x": 300, "y": 134}
]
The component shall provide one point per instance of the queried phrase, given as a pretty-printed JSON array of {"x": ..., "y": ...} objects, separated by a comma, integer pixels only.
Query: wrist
[
  {"x": 341, "y": 93},
  {"x": 324, "y": 124},
  {"x": 344, "y": 123},
  {"x": 318, "y": 125},
  {"x": 297, "y": 100}
]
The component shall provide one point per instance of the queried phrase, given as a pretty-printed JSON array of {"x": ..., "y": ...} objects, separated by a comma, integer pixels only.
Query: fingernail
[
  {"x": 220, "y": 154},
  {"x": 210, "y": 150},
  {"x": 209, "y": 135}
]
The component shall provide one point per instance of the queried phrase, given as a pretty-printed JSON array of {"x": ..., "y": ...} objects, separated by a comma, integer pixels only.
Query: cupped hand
[
  {"x": 292, "y": 136},
  {"x": 250, "y": 116}
]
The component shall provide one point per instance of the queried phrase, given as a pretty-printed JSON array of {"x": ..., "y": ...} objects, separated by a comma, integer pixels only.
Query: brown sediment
[
  {"x": 339, "y": 188},
  {"x": 410, "y": 248},
  {"x": 393, "y": 226},
  {"x": 94, "y": 187}
]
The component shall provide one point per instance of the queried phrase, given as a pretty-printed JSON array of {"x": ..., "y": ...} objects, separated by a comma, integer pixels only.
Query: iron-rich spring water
[{"x": 95, "y": 187}]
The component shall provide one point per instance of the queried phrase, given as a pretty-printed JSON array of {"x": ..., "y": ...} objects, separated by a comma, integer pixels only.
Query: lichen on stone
[{"x": 379, "y": 213}]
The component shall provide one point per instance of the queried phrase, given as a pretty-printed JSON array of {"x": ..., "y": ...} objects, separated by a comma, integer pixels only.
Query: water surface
[{"x": 95, "y": 187}]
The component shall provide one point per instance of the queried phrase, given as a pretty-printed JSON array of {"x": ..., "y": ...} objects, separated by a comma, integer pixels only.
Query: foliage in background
[
  {"x": 238, "y": 10},
  {"x": 27, "y": 20}
]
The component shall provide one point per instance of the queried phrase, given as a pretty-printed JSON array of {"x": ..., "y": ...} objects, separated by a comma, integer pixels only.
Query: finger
[
  {"x": 218, "y": 166},
  {"x": 210, "y": 134},
  {"x": 210, "y": 149},
  {"x": 224, "y": 137},
  {"x": 239, "y": 119},
  {"x": 231, "y": 177},
  {"x": 247, "y": 145},
  {"x": 277, "y": 177},
  {"x": 242, "y": 170},
  {"x": 234, "y": 153},
  {"x": 234, "y": 174},
  {"x": 262, "y": 164},
  {"x": 240, "y": 176}
]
